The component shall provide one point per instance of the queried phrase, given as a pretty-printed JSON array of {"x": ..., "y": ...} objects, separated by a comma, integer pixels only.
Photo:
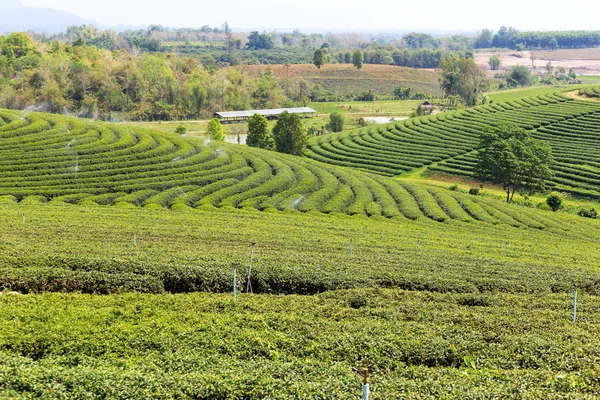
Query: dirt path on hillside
[{"x": 575, "y": 95}]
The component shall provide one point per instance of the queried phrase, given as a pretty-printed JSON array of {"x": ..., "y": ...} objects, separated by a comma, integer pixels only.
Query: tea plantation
[
  {"x": 122, "y": 243},
  {"x": 447, "y": 143}
]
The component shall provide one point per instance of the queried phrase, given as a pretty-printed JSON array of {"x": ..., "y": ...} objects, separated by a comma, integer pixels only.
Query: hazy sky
[{"x": 347, "y": 15}]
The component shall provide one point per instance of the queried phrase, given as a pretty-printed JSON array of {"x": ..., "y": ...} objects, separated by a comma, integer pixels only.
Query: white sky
[{"x": 335, "y": 15}]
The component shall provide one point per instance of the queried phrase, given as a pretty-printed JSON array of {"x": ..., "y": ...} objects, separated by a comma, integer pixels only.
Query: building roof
[
  {"x": 426, "y": 104},
  {"x": 266, "y": 113}
]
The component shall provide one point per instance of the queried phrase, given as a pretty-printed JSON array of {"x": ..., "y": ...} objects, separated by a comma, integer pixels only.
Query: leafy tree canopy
[
  {"x": 290, "y": 134},
  {"x": 215, "y": 130},
  {"x": 509, "y": 156},
  {"x": 319, "y": 58},
  {"x": 462, "y": 77},
  {"x": 358, "y": 58},
  {"x": 257, "y": 41},
  {"x": 258, "y": 133},
  {"x": 336, "y": 122}
]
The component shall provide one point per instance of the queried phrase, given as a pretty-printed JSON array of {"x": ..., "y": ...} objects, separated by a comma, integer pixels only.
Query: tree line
[
  {"x": 92, "y": 82},
  {"x": 552, "y": 40}
]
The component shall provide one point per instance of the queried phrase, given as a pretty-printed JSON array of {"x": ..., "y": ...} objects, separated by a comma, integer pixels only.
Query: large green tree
[
  {"x": 462, "y": 77},
  {"x": 358, "y": 58},
  {"x": 319, "y": 58},
  {"x": 258, "y": 133},
  {"x": 336, "y": 122},
  {"x": 215, "y": 130},
  {"x": 520, "y": 75},
  {"x": 290, "y": 134},
  {"x": 509, "y": 156}
]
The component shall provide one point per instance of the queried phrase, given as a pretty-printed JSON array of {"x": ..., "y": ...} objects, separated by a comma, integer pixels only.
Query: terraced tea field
[
  {"x": 53, "y": 158},
  {"x": 448, "y": 142},
  {"x": 110, "y": 233}
]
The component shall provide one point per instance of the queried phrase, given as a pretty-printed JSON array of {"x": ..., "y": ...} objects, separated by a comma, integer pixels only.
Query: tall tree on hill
[
  {"x": 484, "y": 39},
  {"x": 336, "y": 122},
  {"x": 215, "y": 130},
  {"x": 509, "y": 156},
  {"x": 319, "y": 58},
  {"x": 358, "y": 58},
  {"x": 290, "y": 134},
  {"x": 258, "y": 133},
  {"x": 462, "y": 77}
]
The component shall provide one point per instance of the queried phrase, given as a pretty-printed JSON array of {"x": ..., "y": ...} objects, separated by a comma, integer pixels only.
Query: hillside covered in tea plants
[
  {"x": 448, "y": 142},
  {"x": 55, "y": 158},
  {"x": 117, "y": 254}
]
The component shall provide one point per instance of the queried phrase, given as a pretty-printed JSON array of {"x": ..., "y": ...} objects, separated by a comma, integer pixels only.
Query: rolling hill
[
  {"x": 448, "y": 142},
  {"x": 14, "y": 16},
  {"x": 55, "y": 158},
  {"x": 109, "y": 232}
]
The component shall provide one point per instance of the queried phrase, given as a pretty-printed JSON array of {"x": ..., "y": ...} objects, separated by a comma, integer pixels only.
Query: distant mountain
[{"x": 14, "y": 16}]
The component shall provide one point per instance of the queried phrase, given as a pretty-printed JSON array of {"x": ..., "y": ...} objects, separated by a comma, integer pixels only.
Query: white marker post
[
  {"x": 234, "y": 283},
  {"x": 135, "y": 240},
  {"x": 249, "y": 283},
  {"x": 575, "y": 306},
  {"x": 351, "y": 249},
  {"x": 364, "y": 373}
]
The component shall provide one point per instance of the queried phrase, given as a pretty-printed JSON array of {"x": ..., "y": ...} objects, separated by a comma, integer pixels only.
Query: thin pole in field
[
  {"x": 575, "y": 306},
  {"x": 135, "y": 240},
  {"x": 351, "y": 247},
  {"x": 248, "y": 278},
  {"x": 364, "y": 373},
  {"x": 235, "y": 265}
]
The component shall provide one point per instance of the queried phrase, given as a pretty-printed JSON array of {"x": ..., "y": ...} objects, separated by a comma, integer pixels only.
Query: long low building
[{"x": 232, "y": 116}]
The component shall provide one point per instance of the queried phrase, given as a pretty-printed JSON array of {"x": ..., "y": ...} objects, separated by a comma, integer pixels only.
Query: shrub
[
  {"x": 588, "y": 213},
  {"x": 554, "y": 201},
  {"x": 474, "y": 191},
  {"x": 181, "y": 130}
]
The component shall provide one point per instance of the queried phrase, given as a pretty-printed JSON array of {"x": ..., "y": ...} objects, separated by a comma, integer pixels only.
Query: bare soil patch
[{"x": 584, "y": 61}]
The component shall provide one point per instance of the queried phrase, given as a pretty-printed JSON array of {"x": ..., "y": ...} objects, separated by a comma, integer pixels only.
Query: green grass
[
  {"x": 519, "y": 93},
  {"x": 356, "y": 109},
  {"x": 589, "y": 79}
]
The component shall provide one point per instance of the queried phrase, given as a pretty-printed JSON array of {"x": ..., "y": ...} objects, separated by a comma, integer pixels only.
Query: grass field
[
  {"x": 351, "y": 110},
  {"x": 345, "y": 80},
  {"x": 520, "y": 93}
]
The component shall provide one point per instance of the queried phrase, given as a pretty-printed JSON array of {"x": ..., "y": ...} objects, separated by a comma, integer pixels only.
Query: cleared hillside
[{"x": 346, "y": 80}]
